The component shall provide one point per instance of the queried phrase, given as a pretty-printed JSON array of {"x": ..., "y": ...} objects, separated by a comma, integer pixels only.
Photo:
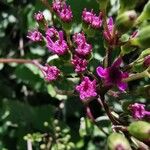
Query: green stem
[{"x": 138, "y": 76}]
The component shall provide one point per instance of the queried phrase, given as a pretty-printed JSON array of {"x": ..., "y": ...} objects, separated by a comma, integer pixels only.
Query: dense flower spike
[
  {"x": 138, "y": 111},
  {"x": 91, "y": 19},
  {"x": 35, "y": 36},
  {"x": 55, "y": 41},
  {"x": 113, "y": 75},
  {"x": 51, "y": 73},
  {"x": 62, "y": 10},
  {"x": 39, "y": 16},
  {"x": 79, "y": 64},
  {"x": 87, "y": 89},
  {"x": 83, "y": 48}
]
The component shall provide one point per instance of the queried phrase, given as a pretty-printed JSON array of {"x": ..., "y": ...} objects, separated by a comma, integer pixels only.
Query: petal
[
  {"x": 125, "y": 75},
  {"x": 117, "y": 62},
  {"x": 122, "y": 86},
  {"x": 101, "y": 71}
]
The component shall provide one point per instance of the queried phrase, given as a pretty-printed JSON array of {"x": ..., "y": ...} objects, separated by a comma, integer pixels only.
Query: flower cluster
[
  {"x": 39, "y": 17},
  {"x": 62, "y": 10},
  {"x": 55, "y": 41},
  {"x": 35, "y": 36},
  {"x": 138, "y": 111},
  {"x": 87, "y": 89},
  {"x": 82, "y": 50},
  {"x": 90, "y": 18}
]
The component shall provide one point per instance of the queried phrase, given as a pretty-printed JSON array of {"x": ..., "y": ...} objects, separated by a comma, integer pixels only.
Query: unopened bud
[
  {"x": 147, "y": 61},
  {"x": 140, "y": 130},
  {"x": 116, "y": 141},
  {"x": 126, "y": 20}
]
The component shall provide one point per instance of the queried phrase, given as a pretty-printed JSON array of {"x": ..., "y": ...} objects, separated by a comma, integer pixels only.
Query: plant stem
[
  {"x": 137, "y": 76},
  {"x": 15, "y": 60},
  {"x": 107, "y": 110}
]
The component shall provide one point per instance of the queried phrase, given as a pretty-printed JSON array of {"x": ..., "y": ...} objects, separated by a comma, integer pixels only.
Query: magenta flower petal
[
  {"x": 122, "y": 86},
  {"x": 125, "y": 75},
  {"x": 117, "y": 62},
  {"x": 101, "y": 71}
]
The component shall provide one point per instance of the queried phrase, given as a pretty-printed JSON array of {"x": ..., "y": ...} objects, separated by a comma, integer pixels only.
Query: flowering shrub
[{"x": 114, "y": 92}]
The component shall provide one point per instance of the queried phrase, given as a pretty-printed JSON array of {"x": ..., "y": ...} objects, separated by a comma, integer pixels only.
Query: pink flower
[
  {"x": 79, "y": 38},
  {"x": 35, "y": 36},
  {"x": 51, "y": 73},
  {"x": 87, "y": 89},
  {"x": 87, "y": 16},
  {"x": 66, "y": 14},
  {"x": 55, "y": 41},
  {"x": 84, "y": 49},
  {"x": 91, "y": 19},
  {"x": 138, "y": 111},
  {"x": 113, "y": 75},
  {"x": 79, "y": 64},
  {"x": 57, "y": 5},
  {"x": 39, "y": 16},
  {"x": 96, "y": 22},
  {"x": 62, "y": 10}
]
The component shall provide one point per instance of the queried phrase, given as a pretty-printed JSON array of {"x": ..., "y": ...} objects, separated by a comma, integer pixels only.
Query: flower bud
[
  {"x": 116, "y": 141},
  {"x": 126, "y": 20},
  {"x": 140, "y": 130},
  {"x": 147, "y": 61},
  {"x": 143, "y": 38},
  {"x": 145, "y": 13}
]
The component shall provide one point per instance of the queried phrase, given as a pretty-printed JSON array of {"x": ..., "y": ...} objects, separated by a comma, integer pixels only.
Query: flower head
[
  {"x": 91, "y": 19},
  {"x": 51, "y": 73},
  {"x": 84, "y": 49},
  {"x": 113, "y": 75},
  {"x": 79, "y": 64},
  {"x": 87, "y": 89},
  {"x": 66, "y": 14},
  {"x": 35, "y": 36},
  {"x": 138, "y": 111},
  {"x": 87, "y": 16},
  {"x": 62, "y": 10},
  {"x": 55, "y": 41},
  {"x": 79, "y": 38},
  {"x": 39, "y": 16},
  {"x": 96, "y": 22}
]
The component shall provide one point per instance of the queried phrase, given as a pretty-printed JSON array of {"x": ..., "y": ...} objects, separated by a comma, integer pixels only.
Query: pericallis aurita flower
[
  {"x": 51, "y": 73},
  {"x": 91, "y": 19},
  {"x": 35, "y": 36},
  {"x": 55, "y": 41},
  {"x": 80, "y": 64},
  {"x": 39, "y": 16},
  {"x": 83, "y": 48},
  {"x": 87, "y": 89},
  {"x": 138, "y": 111},
  {"x": 62, "y": 10},
  {"x": 113, "y": 75}
]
